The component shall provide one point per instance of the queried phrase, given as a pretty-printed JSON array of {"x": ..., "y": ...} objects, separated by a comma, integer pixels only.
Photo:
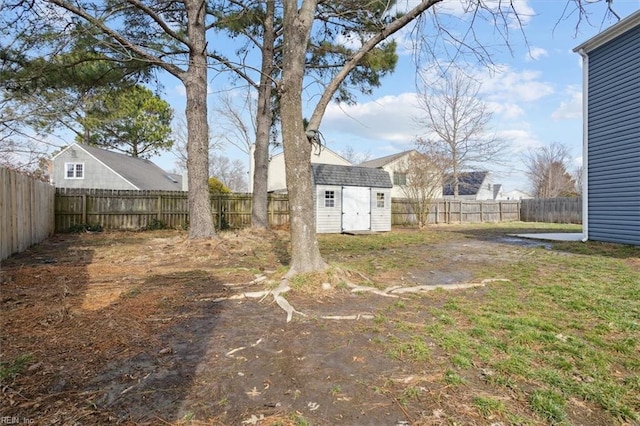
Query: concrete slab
[{"x": 554, "y": 236}]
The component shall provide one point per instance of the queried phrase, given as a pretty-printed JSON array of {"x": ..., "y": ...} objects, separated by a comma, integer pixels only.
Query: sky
[{"x": 533, "y": 89}]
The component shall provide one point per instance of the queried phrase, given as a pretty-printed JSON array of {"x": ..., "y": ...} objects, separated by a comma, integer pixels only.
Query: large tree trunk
[
  {"x": 195, "y": 82},
  {"x": 259, "y": 207},
  {"x": 305, "y": 253}
]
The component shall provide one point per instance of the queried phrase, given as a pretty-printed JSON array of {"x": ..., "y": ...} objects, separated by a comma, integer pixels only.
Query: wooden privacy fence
[
  {"x": 26, "y": 212},
  {"x": 457, "y": 211},
  {"x": 552, "y": 210},
  {"x": 133, "y": 210},
  {"x": 117, "y": 209}
]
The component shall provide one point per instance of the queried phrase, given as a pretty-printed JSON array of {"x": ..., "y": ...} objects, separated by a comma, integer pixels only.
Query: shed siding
[
  {"x": 613, "y": 127},
  {"x": 380, "y": 217},
  {"x": 96, "y": 174},
  {"x": 328, "y": 219}
]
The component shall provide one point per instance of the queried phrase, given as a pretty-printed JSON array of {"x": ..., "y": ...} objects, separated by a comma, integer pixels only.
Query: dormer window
[{"x": 74, "y": 170}]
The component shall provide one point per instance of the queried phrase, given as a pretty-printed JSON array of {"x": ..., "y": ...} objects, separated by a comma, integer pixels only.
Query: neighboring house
[
  {"x": 516, "y": 194},
  {"x": 83, "y": 166},
  {"x": 473, "y": 186},
  {"x": 277, "y": 181},
  {"x": 611, "y": 137},
  {"x": 351, "y": 198},
  {"x": 396, "y": 165}
]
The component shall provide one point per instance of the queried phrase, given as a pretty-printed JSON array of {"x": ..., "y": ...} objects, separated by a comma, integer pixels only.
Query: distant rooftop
[
  {"x": 142, "y": 173},
  {"x": 383, "y": 161}
]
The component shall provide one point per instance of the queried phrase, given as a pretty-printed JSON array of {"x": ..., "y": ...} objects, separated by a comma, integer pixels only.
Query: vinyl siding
[
  {"x": 328, "y": 219},
  {"x": 96, "y": 174},
  {"x": 380, "y": 217},
  {"x": 613, "y": 128}
]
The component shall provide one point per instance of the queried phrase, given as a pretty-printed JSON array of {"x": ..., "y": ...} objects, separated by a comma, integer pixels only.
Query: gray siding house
[
  {"x": 611, "y": 138},
  {"x": 83, "y": 166},
  {"x": 351, "y": 198}
]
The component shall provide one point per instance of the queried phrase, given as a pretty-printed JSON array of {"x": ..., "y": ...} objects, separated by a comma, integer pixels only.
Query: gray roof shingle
[
  {"x": 468, "y": 183},
  {"x": 142, "y": 173},
  {"x": 331, "y": 174}
]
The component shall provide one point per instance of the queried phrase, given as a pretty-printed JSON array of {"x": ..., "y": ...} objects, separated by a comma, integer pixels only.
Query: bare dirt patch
[{"x": 139, "y": 328}]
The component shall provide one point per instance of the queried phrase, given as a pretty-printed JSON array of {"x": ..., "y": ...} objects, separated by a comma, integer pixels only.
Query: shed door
[{"x": 356, "y": 208}]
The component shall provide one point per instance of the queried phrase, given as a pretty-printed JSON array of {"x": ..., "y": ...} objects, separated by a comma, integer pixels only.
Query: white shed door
[{"x": 356, "y": 208}]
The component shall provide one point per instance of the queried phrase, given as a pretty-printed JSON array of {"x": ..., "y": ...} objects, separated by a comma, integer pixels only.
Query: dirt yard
[{"x": 143, "y": 328}]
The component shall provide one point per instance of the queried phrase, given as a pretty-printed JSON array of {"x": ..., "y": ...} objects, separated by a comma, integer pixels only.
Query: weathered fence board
[
  {"x": 144, "y": 209},
  {"x": 457, "y": 211},
  {"x": 26, "y": 212},
  {"x": 133, "y": 210},
  {"x": 552, "y": 210}
]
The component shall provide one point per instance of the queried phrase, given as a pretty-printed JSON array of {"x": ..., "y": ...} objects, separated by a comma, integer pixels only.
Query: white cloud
[
  {"x": 520, "y": 139},
  {"x": 507, "y": 110},
  {"x": 506, "y": 85},
  {"x": 571, "y": 108},
  {"x": 535, "y": 53},
  {"x": 515, "y": 13},
  {"x": 389, "y": 118}
]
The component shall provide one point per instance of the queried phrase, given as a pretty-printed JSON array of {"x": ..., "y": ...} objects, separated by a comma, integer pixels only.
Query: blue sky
[{"x": 534, "y": 91}]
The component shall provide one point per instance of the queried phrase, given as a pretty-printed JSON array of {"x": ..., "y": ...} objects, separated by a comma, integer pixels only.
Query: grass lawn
[{"x": 562, "y": 334}]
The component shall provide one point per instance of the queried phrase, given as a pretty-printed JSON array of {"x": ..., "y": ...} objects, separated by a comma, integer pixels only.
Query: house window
[
  {"x": 380, "y": 200},
  {"x": 74, "y": 170},
  {"x": 329, "y": 198},
  {"x": 399, "y": 178}
]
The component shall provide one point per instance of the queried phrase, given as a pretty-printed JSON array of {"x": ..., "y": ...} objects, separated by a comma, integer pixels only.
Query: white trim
[
  {"x": 610, "y": 33},
  {"x": 74, "y": 164},
  {"x": 585, "y": 145}
]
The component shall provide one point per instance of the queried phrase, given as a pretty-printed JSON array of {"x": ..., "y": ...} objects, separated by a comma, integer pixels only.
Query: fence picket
[{"x": 26, "y": 212}]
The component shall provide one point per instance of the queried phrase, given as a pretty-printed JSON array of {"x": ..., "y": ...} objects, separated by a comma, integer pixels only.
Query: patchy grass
[
  {"x": 122, "y": 322},
  {"x": 566, "y": 327},
  {"x": 10, "y": 369}
]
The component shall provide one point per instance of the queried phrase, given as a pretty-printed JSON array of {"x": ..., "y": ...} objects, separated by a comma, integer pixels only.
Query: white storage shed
[{"x": 351, "y": 198}]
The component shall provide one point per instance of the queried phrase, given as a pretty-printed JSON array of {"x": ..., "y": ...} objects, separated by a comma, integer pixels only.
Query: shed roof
[
  {"x": 469, "y": 183},
  {"x": 332, "y": 174},
  {"x": 140, "y": 172}
]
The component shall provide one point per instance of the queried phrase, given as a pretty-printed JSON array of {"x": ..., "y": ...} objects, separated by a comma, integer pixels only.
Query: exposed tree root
[{"x": 394, "y": 291}]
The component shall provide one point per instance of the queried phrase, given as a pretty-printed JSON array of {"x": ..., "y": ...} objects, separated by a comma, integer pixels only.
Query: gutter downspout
[{"x": 585, "y": 145}]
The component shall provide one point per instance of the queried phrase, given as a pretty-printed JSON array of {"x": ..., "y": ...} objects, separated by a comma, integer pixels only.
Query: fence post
[
  {"x": 159, "y": 208},
  {"x": 84, "y": 208},
  {"x": 219, "y": 197}
]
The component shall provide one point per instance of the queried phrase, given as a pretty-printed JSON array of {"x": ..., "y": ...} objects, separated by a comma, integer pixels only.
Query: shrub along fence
[{"x": 26, "y": 212}]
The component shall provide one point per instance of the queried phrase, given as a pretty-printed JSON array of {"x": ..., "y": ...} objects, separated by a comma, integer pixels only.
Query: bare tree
[
  {"x": 577, "y": 177},
  {"x": 546, "y": 169},
  {"x": 230, "y": 172},
  {"x": 353, "y": 156},
  {"x": 179, "y": 148},
  {"x": 231, "y": 121},
  {"x": 424, "y": 176},
  {"x": 456, "y": 121}
]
